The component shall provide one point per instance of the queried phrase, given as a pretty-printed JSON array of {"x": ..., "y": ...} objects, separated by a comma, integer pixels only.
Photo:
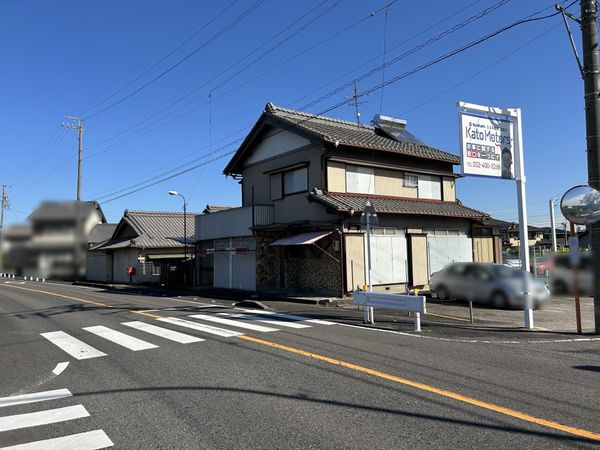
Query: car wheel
[
  {"x": 442, "y": 293},
  {"x": 499, "y": 299}
]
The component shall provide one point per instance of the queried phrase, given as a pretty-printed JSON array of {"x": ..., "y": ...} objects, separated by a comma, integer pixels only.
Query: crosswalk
[
  {"x": 89, "y": 440},
  {"x": 230, "y": 324}
]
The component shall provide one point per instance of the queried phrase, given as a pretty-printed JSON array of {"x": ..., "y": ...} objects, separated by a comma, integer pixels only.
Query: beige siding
[
  {"x": 419, "y": 260},
  {"x": 391, "y": 182},
  {"x": 483, "y": 249},
  {"x": 355, "y": 261},
  {"x": 448, "y": 190},
  {"x": 336, "y": 176}
]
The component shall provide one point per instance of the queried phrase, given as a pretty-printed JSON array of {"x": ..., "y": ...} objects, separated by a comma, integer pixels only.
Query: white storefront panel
[
  {"x": 388, "y": 259},
  {"x": 235, "y": 264},
  {"x": 443, "y": 250}
]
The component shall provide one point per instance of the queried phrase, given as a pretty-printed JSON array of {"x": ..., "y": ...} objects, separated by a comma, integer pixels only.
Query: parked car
[
  {"x": 561, "y": 277},
  {"x": 538, "y": 268},
  {"x": 494, "y": 284}
]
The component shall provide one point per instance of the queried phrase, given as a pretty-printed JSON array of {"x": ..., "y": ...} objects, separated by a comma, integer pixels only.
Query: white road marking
[
  {"x": 288, "y": 316},
  {"x": 281, "y": 323},
  {"x": 121, "y": 339},
  {"x": 471, "y": 341},
  {"x": 234, "y": 323},
  {"x": 90, "y": 440},
  {"x": 35, "y": 419},
  {"x": 34, "y": 397},
  {"x": 200, "y": 327},
  {"x": 163, "y": 332},
  {"x": 60, "y": 367},
  {"x": 73, "y": 346}
]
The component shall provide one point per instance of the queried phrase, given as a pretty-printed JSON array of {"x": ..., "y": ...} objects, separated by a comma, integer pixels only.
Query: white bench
[{"x": 414, "y": 304}]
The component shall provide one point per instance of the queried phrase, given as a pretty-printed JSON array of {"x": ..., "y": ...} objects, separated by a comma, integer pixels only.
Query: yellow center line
[
  {"x": 447, "y": 317},
  {"x": 77, "y": 299},
  {"x": 425, "y": 387}
]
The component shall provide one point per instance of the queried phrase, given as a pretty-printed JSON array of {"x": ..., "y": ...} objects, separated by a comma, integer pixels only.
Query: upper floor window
[
  {"x": 360, "y": 180},
  {"x": 430, "y": 186},
  {"x": 295, "y": 181},
  {"x": 411, "y": 180}
]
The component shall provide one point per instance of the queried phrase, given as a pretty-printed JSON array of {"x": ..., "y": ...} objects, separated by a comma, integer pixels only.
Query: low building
[
  {"x": 226, "y": 246},
  {"x": 150, "y": 247},
  {"x": 98, "y": 263}
]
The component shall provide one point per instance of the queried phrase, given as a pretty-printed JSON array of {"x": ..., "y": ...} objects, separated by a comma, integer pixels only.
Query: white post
[
  {"x": 417, "y": 321},
  {"x": 522, "y": 206},
  {"x": 369, "y": 309},
  {"x": 230, "y": 263},
  {"x": 553, "y": 225}
]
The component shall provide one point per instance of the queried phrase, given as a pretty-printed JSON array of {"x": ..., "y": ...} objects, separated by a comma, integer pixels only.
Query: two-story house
[{"x": 317, "y": 173}]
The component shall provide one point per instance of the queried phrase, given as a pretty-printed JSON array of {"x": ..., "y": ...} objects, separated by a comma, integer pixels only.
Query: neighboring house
[
  {"x": 58, "y": 243},
  {"x": 14, "y": 246},
  {"x": 98, "y": 264},
  {"x": 317, "y": 174},
  {"x": 226, "y": 246},
  {"x": 152, "y": 243}
]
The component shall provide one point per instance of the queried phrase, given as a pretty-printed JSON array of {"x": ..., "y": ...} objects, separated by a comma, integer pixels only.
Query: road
[{"x": 263, "y": 379}]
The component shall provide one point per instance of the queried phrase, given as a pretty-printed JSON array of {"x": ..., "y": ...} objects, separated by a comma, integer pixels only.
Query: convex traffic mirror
[{"x": 581, "y": 205}]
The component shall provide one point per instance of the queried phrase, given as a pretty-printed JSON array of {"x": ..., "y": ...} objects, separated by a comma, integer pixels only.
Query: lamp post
[
  {"x": 184, "y": 236},
  {"x": 552, "y": 223}
]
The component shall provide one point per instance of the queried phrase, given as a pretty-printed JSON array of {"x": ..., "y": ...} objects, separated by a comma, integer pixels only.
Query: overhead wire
[
  {"x": 456, "y": 51},
  {"x": 230, "y": 25}
]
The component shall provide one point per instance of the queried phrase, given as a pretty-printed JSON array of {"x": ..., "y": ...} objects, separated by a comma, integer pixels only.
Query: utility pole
[
  {"x": 553, "y": 224},
  {"x": 77, "y": 124},
  {"x": 591, "y": 83},
  {"x": 3, "y": 206}
]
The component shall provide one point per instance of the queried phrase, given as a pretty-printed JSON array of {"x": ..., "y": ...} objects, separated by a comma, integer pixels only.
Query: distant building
[
  {"x": 15, "y": 242},
  {"x": 58, "y": 244}
]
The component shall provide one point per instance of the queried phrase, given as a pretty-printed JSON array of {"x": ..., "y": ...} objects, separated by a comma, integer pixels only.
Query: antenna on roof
[{"x": 354, "y": 100}]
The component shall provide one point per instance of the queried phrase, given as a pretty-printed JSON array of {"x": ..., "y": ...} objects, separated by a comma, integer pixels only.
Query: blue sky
[{"x": 65, "y": 57}]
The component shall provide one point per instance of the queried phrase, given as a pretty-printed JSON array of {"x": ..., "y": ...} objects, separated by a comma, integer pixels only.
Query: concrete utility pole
[
  {"x": 553, "y": 224},
  {"x": 77, "y": 124},
  {"x": 591, "y": 83},
  {"x": 3, "y": 206}
]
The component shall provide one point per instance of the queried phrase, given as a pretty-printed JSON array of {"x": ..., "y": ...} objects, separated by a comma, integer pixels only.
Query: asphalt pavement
[{"x": 149, "y": 369}]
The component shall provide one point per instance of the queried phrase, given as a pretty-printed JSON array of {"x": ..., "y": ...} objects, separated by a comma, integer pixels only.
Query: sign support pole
[
  {"x": 523, "y": 226},
  {"x": 515, "y": 115}
]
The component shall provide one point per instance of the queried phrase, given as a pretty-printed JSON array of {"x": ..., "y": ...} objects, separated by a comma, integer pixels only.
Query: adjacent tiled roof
[
  {"x": 154, "y": 229},
  {"x": 101, "y": 233},
  {"x": 338, "y": 132},
  {"x": 393, "y": 205},
  {"x": 216, "y": 208},
  {"x": 17, "y": 231},
  {"x": 64, "y": 210}
]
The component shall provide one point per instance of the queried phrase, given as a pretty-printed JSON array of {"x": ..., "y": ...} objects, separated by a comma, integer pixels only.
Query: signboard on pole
[{"x": 487, "y": 146}]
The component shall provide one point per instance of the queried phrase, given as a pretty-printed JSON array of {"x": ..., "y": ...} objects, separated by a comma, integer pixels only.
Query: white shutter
[
  {"x": 430, "y": 187},
  {"x": 388, "y": 259},
  {"x": 443, "y": 250},
  {"x": 360, "y": 180}
]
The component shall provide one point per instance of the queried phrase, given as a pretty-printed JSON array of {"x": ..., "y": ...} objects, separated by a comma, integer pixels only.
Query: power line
[
  {"x": 238, "y": 19},
  {"x": 196, "y": 89},
  {"x": 417, "y": 69}
]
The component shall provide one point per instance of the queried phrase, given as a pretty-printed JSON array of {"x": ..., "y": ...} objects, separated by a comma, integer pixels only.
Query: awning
[
  {"x": 163, "y": 256},
  {"x": 302, "y": 238}
]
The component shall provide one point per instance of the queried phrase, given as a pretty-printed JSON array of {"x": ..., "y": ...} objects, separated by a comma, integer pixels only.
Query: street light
[{"x": 184, "y": 236}]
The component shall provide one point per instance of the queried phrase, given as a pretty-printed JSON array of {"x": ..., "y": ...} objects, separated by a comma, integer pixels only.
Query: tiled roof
[
  {"x": 216, "y": 208},
  {"x": 101, "y": 233},
  {"x": 155, "y": 229},
  {"x": 353, "y": 134},
  {"x": 393, "y": 205},
  {"x": 64, "y": 210},
  {"x": 339, "y": 132}
]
